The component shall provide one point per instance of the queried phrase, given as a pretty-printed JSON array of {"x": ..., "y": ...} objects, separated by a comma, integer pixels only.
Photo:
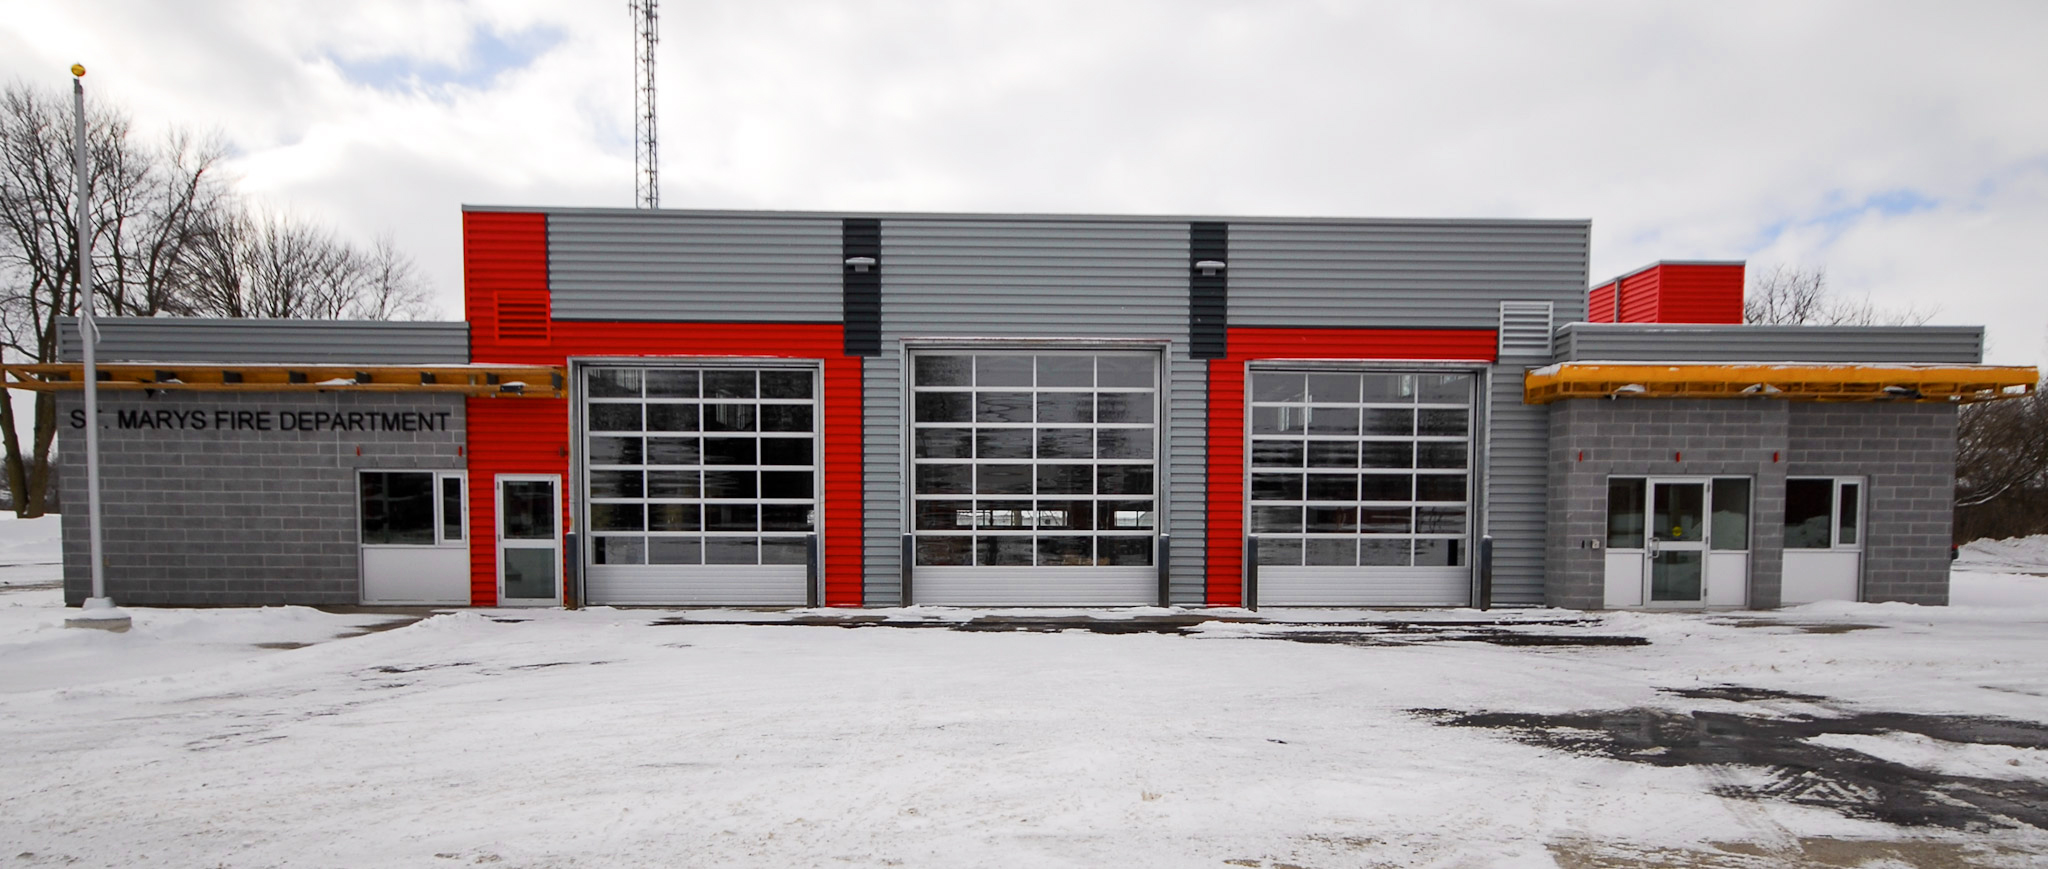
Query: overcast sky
[{"x": 1902, "y": 147}]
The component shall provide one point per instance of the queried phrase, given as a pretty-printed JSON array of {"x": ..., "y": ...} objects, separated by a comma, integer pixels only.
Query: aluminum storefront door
[
  {"x": 1677, "y": 542},
  {"x": 1034, "y": 477},
  {"x": 529, "y": 540},
  {"x": 1360, "y": 486},
  {"x": 699, "y": 484}
]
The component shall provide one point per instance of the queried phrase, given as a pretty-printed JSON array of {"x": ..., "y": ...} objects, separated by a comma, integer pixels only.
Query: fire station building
[{"x": 773, "y": 409}]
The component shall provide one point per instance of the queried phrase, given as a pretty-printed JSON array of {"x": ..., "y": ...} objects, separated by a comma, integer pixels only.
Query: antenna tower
[{"x": 646, "y": 163}]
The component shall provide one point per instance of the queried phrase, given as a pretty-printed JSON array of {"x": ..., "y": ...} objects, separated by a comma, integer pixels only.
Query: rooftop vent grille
[
  {"x": 522, "y": 317},
  {"x": 1525, "y": 329}
]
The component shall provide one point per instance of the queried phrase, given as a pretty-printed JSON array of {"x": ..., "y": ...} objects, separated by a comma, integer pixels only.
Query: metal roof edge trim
[
  {"x": 1670, "y": 262},
  {"x": 1032, "y": 216},
  {"x": 1584, "y": 326}
]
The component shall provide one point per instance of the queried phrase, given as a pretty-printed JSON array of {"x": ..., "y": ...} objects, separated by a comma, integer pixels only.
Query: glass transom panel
[
  {"x": 1034, "y": 458},
  {"x": 696, "y": 466},
  {"x": 1360, "y": 468}
]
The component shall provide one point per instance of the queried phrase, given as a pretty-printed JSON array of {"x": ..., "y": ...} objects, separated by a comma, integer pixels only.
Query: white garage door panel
[
  {"x": 668, "y": 585},
  {"x": 1035, "y": 586},
  {"x": 1351, "y": 586},
  {"x": 416, "y": 575}
]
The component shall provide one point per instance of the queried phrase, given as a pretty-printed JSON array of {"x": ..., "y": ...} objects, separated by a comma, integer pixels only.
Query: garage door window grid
[
  {"x": 1034, "y": 458},
  {"x": 700, "y": 465},
  {"x": 1367, "y": 469}
]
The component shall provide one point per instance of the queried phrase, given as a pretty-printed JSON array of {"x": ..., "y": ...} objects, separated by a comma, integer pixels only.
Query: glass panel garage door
[
  {"x": 1034, "y": 476},
  {"x": 700, "y": 484},
  {"x": 1361, "y": 487}
]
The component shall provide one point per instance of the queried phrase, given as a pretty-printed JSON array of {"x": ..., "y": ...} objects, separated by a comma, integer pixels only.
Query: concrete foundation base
[{"x": 100, "y": 614}]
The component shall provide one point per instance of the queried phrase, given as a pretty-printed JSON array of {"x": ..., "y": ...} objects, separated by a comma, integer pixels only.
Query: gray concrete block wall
[
  {"x": 1591, "y": 440},
  {"x": 228, "y": 517},
  {"x": 1907, "y": 453}
]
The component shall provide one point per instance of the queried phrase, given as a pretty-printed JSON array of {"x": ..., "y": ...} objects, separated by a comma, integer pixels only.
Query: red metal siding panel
[
  {"x": 1639, "y": 297},
  {"x": 1702, "y": 293},
  {"x": 843, "y": 468},
  {"x": 1226, "y": 415},
  {"x": 1600, "y": 304},
  {"x": 504, "y": 264},
  {"x": 1460, "y": 345},
  {"x": 1226, "y": 482}
]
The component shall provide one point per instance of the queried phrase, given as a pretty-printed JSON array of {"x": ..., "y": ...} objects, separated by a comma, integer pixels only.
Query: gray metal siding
[
  {"x": 1665, "y": 342},
  {"x": 1517, "y": 486},
  {"x": 177, "y": 339},
  {"x": 1403, "y": 273},
  {"x": 1034, "y": 280},
  {"x": 679, "y": 266}
]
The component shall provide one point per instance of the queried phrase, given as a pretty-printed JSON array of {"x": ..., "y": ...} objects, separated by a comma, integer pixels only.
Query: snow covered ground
[{"x": 602, "y": 738}]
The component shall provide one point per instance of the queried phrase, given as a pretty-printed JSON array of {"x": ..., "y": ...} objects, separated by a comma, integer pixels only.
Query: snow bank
[
  {"x": 31, "y": 550},
  {"x": 2011, "y": 555}
]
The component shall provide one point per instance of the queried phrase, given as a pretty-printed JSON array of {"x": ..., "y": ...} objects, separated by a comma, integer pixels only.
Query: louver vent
[
  {"x": 522, "y": 316},
  {"x": 1525, "y": 329}
]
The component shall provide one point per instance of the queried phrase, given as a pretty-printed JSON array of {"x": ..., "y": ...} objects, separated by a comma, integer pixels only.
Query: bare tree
[
  {"x": 168, "y": 236},
  {"x": 2002, "y": 468},
  {"x": 1790, "y": 295}
]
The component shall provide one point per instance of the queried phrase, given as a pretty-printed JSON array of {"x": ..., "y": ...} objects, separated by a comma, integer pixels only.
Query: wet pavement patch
[
  {"x": 1405, "y": 635},
  {"x": 1369, "y": 633},
  {"x": 1802, "y": 627},
  {"x": 1771, "y": 758},
  {"x": 1741, "y": 694}
]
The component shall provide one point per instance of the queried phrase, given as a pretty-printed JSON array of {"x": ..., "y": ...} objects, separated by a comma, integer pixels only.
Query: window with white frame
[
  {"x": 1823, "y": 513},
  {"x": 411, "y": 508}
]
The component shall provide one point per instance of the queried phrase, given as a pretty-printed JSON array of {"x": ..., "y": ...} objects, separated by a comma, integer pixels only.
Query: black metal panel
[
  {"x": 862, "y": 237},
  {"x": 1208, "y": 295}
]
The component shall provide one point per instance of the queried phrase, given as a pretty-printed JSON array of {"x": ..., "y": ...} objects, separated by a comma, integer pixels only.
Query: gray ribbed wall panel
[
  {"x": 1034, "y": 279},
  {"x": 177, "y": 339},
  {"x": 1444, "y": 274},
  {"x": 652, "y": 265},
  {"x": 1517, "y": 476},
  {"x": 882, "y": 489},
  {"x": 1667, "y": 342}
]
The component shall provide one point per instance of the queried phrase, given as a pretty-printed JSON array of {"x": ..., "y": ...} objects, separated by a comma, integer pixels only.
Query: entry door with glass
[
  {"x": 1823, "y": 539},
  {"x": 529, "y": 540},
  {"x": 1677, "y": 542}
]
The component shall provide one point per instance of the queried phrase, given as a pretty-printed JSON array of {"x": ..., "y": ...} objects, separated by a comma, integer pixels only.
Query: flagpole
[{"x": 99, "y": 611}]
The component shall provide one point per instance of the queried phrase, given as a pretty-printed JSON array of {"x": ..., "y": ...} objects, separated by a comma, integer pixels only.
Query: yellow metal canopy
[
  {"x": 1948, "y": 384},
  {"x": 529, "y": 381}
]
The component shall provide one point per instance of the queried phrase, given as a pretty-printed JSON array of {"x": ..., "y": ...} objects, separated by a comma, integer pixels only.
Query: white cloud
[{"x": 1725, "y": 130}]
